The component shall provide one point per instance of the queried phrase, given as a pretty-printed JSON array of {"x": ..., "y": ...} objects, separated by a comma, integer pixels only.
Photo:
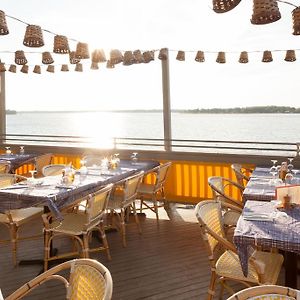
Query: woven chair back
[
  {"x": 54, "y": 169},
  {"x": 4, "y": 167},
  {"x": 131, "y": 186},
  {"x": 266, "y": 292},
  {"x": 92, "y": 160},
  {"x": 41, "y": 161},
  {"x": 239, "y": 174},
  {"x": 209, "y": 216},
  {"x": 162, "y": 174},
  {"x": 97, "y": 203},
  {"x": 9, "y": 179}
]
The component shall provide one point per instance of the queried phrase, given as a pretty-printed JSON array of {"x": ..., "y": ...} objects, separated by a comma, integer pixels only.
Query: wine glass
[
  {"x": 7, "y": 150},
  {"x": 22, "y": 150},
  {"x": 134, "y": 158},
  {"x": 273, "y": 170},
  {"x": 290, "y": 165},
  {"x": 31, "y": 179}
]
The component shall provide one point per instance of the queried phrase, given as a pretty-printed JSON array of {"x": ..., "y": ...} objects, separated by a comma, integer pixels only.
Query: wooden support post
[
  {"x": 166, "y": 103},
  {"x": 2, "y": 107}
]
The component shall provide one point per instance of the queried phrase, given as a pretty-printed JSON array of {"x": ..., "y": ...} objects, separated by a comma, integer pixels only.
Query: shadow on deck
[{"x": 168, "y": 261}]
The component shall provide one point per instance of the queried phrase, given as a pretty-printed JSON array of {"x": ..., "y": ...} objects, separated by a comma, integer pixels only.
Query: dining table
[
  {"x": 264, "y": 223},
  {"x": 52, "y": 193},
  {"x": 16, "y": 160}
]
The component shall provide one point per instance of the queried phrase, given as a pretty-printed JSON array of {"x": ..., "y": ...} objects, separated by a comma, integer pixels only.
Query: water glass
[
  {"x": 22, "y": 150},
  {"x": 7, "y": 150},
  {"x": 134, "y": 158}
]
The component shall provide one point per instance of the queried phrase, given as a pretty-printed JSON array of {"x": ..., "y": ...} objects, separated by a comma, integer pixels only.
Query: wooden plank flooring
[{"x": 168, "y": 261}]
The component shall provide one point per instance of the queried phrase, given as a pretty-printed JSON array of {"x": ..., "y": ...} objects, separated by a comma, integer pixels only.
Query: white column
[{"x": 166, "y": 103}]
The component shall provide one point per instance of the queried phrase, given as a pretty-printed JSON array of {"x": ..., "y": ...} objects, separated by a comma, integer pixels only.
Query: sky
[{"x": 189, "y": 25}]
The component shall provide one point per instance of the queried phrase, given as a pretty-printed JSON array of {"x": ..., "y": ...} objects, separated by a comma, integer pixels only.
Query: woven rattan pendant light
[
  {"x": 243, "y": 57},
  {"x": 163, "y": 54},
  {"x": 37, "y": 69},
  {"x": 3, "y": 25},
  {"x": 109, "y": 65},
  {"x": 148, "y": 56},
  {"x": 73, "y": 59},
  {"x": 128, "y": 58},
  {"x": 116, "y": 56},
  {"x": 94, "y": 66},
  {"x": 24, "y": 69},
  {"x": 50, "y": 69},
  {"x": 290, "y": 55},
  {"x": 138, "y": 57},
  {"x": 180, "y": 55},
  {"x": 20, "y": 58},
  {"x": 33, "y": 36},
  {"x": 78, "y": 67},
  {"x": 98, "y": 56},
  {"x": 82, "y": 51},
  {"x": 61, "y": 44},
  {"x": 265, "y": 12},
  {"x": 200, "y": 56},
  {"x": 2, "y": 67},
  {"x": 12, "y": 68},
  {"x": 221, "y": 6},
  {"x": 221, "y": 58},
  {"x": 47, "y": 58},
  {"x": 64, "y": 68},
  {"x": 267, "y": 56},
  {"x": 296, "y": 21}
]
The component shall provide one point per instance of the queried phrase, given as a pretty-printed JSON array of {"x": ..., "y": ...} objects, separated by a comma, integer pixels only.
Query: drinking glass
[
  {"x": 7, "y": 151},
  {"x": 274, "y": 167},
  {"x": 134, "y": 158},
  {"x": 290, "y": 165},
  {"x": 22, "y": 150},
  {"x": 31, "y": 180}
]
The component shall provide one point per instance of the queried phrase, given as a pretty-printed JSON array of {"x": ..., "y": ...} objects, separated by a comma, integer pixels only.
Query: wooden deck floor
[{"x": 165, "y": 262}]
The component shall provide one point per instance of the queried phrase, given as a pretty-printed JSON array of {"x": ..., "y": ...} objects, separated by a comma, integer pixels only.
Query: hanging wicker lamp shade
[
  {"x": 244, "y": 57},
  {"x": 64, "y": 68},
  {"x": 50, "y": 69},
  {"x": 33, "y": 36},
  {"x": 61, "y": 44},
  {"x": 94, "y": 66},
  {"x": 12, "y": 68},
  {"x": 47, "y": 58},
  {"x": 221, "y": 58},
  {"x": 37, "y": 69},
  {"x": 3, "y": 25},
  {"x": 82, "y": 51},
  {"x": 148, "y": 56},
  {"x": 200, "y": 56},
  {"x": 163, "y": 54},
  {"x": 128, "y": 58},
  {"x": 73, "y": 59},
  {"x": 98, "y": 56},
  {"x": 296, "y": 21},
  {"x": 221, "y": 6},
  {"x": 109, "y": 65},
  {"x": 265, "y": 12},
  {"x": 24, "y": 69},
  {"x": 20, "y": 58},
  {"x": 2, "y": 67},
  {"x": 290, "y": 55},
  {"x": 180, "y": 55},
  {"x": 138, "y": 57},
  {"x": 116, "y": 56},
  {"x": 267, "y": 56},
  {"x": 78, "y": 67}
]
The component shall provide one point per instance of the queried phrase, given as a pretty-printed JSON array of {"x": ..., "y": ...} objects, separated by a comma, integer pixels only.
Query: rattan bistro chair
[
  {"x": 53, "y": 169},
  {"x": 91, "y": 160},
  {"x": 267, "y": 292},
  {"x": 13, "y": 219},
  {"x": 122, "y": 202},
  {"x": 232, "y": 208},
  {"x": 5, "y": 166},
  {"x": 41, "y": 161},
  {"x": 150, "y": 192},
  {"x": 88, "y": 280},
  {"x": 79, "y": 225},
  {"x": 241, "y": 174},
  {"x": 264, "y": 267}
]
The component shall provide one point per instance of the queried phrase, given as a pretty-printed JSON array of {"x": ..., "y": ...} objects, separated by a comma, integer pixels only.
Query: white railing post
[
  {"x": 166, "y": 103},
  {"x": 2, "y": 107}
]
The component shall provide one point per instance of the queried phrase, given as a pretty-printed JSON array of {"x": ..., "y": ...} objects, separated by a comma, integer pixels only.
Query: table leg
[{"x": 291, "y": 269}]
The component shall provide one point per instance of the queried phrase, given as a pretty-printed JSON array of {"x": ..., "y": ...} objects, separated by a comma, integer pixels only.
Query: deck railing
[{"x": 157, "y": 144}]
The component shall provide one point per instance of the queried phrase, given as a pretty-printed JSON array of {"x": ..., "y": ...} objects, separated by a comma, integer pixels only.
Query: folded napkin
[{"x": 258, "y": 216}]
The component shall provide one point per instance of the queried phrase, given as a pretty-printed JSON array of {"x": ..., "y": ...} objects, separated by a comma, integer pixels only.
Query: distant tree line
[{"x": 247, "y": 110}]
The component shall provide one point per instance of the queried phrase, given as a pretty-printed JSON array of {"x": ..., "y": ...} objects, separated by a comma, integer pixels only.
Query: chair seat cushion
[
  {"x": 228, "y": 265},
  {"x": 73, "y": 223},
  {"x": 22, "y": 215}
]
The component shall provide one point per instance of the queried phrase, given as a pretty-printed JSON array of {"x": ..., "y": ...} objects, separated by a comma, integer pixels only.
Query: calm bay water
[{"x": 105, "y": 125}]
